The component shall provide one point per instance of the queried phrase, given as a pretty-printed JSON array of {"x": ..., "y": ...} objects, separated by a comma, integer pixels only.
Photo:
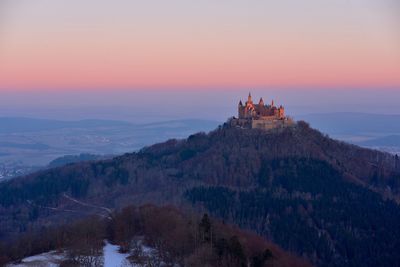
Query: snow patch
[
  {"x": 112, "y": 258},
  {"x": 48, "y": 259}
]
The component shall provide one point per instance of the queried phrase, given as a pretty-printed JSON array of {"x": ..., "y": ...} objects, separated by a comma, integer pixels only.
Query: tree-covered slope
[
  {"x": 307, "y": 207},
  {"x": 149, "y": 236}
]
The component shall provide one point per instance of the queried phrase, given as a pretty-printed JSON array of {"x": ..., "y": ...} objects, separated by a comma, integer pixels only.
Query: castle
[{"x": 261, "y": 116}]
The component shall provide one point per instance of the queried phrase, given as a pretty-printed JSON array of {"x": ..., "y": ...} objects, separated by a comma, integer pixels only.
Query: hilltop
[{"x": 320, "y": 198}]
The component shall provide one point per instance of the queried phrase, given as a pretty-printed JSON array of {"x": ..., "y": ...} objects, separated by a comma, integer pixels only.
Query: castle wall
[
  {"x": 271, "y": 124},
  {"x": 261, "y": 124}
]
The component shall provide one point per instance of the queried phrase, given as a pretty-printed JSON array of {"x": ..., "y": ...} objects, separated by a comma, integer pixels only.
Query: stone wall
[
  {"x": 261, "y": 124},
  {"x": 271, "y": 124}
]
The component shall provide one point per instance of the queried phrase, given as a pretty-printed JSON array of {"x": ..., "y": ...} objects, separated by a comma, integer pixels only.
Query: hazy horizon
[{"x": 142, "y": 106}]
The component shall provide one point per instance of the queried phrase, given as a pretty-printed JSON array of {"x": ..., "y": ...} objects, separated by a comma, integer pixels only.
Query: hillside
[
  {"x": 319, "y": 198},
  {"x": 147, "y": 236}
]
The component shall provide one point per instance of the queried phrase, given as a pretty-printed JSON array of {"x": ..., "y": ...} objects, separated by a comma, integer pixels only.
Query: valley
[{"x": 27, "y": 145}]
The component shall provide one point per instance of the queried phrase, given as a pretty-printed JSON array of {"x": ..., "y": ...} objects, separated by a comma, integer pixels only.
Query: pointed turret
[
  {"x": 249, "y": 100},
  {"x": 272, "y": 103},
  {"x": 261, "y": 103},
  {"x": 240, "y": 103}
]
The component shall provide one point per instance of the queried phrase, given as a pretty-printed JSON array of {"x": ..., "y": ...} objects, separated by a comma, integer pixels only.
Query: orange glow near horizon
[{"x": 176, "y": 51}]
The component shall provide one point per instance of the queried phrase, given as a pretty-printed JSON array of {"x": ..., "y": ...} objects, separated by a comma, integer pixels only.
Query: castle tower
[
  {"x": 272, "y": 103},
  {"x": 281, "y": 112},
  {"x": 240, "y": 109},
  {"x": 261, "y": 103},
  {"x": 249, "y": 100}
]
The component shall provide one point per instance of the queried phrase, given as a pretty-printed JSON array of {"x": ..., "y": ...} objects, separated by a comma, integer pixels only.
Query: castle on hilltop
[{"x": 260, "y": 116}]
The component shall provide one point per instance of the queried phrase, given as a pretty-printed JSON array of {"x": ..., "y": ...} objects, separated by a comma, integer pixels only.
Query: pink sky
[{"x": 99, "y": 44}]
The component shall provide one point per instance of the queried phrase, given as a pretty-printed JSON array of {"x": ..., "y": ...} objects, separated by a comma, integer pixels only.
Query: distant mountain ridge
[
  {"x": 27, "y": 143},
  {"x": 353, "y": 122},
  {"x": 70, "y": 159},
  {"x": 320, "y": 198},
  {"x": 21, "y": 124},
  {"x": 390, "y": 140}
]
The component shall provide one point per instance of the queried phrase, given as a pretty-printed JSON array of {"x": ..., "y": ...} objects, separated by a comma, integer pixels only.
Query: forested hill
[{"x": 325, "y": 200}]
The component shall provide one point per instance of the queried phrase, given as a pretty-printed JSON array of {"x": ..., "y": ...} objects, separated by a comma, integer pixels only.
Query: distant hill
[
  {"x": 386, "y": 141},
  {"x": 29, "y": 146},
  {"x": 326, "y": 200},
  {"x": 376, "y": 131},
  {"x": 353, "y": 123},
  {"x": 69, "y": 159},
  {"x": 26, "y": 143},
  {"x": 23, "y": 125}
]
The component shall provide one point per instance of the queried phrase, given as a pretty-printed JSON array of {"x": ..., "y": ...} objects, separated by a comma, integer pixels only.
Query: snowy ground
[
  {"x": 112, "y": 258},
  {"x": 49, "y": 259}
]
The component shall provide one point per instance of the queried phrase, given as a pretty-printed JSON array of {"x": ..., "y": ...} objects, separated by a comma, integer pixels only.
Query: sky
[
  {"x": 128, "y": 59},
  {"x": 128, "y": 44}
]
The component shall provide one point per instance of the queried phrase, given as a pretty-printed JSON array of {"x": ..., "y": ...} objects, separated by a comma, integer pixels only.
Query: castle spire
[
  {"x": 240, "y": 103},
  {"x": 261, "y": 103},
  {"x": 249, "y": 100},
  {"x": 272, "y": 103}
]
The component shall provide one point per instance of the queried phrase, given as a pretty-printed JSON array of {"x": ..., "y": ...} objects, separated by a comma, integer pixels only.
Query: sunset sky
[{"x": 61, "y": 45}]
